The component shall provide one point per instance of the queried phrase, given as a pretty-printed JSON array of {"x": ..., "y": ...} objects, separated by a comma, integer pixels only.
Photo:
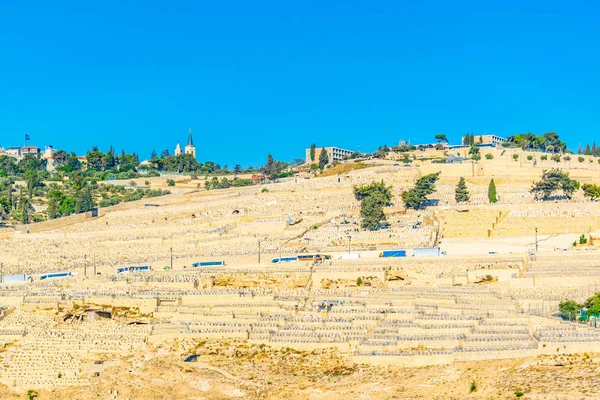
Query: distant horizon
[
  {"x": 105, "y": 148},
  {"x": 273, "y": 77}
]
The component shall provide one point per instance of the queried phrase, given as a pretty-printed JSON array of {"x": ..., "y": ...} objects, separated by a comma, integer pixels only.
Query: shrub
[
  {"x": 515, "y": 156},
  {"x": 544, "y": 157},
  {"x": 146, "y": 183},
  {"x": 473, "y": 387},
  {"x": 580, "y": 159},
  {"x": 264, "y": 190},
  {"x": 170, "y": 182},
  {"x": 529, "y": 157},
  {"x": 358, "y": 281},
  {"x": 567, "y": 158},
  {"x": 555, "y": 158},
  {"x": 489, "y": 156},
  {"x": 518, "y": 393},
  {"x": 582, "y": 239}
]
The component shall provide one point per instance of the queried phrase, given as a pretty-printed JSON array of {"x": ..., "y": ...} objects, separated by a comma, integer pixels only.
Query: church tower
[
  {"x": 190, "y": 148},
  {"x": 178, "y": 150}
]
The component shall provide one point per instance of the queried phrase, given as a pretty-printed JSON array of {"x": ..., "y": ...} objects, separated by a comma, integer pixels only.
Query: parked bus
[
  {"x": 208, "y": 264},
  {"x": 284, "y": 259},
  {"x": 142, "y": 268},
  {"x": 56, "y": 275}
]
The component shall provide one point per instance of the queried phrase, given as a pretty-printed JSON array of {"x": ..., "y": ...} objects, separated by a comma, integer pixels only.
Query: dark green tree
[
  {"x": 373, "y": 198},
  {"x": 32, "y": 179},
  {"x": 492, "y": 197},
  {"x": 417, "y": 196},
  {"x": 53, "y": 208},
  {"x": 24, "y": 206},
  {"x": 440, "y": 137},
  {"x": 569, "y": 308},
  {"x": 461, "y": 194},
  {"x": 313, "y": 147},
  {"x": 552, "y": 181},
  {"x": 323, "y": 158},
  {"x": 474, "y": 153},
  {"x": 270, "y": 168},
  {"x": 9, "y": 196}
]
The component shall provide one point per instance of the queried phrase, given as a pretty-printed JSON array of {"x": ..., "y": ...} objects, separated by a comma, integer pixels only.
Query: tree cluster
[
  {"x": 588, "y": 150},
  {"x": 570, "y": 308},
  {"x": 225, "y": 183},
  {"x": 273, "y": 169},
  {"x": 548, "y": 142},
  {"x": 554, "y": 180}
]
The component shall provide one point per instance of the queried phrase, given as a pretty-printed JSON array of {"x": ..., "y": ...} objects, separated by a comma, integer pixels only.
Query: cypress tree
[
  {"x": 312, "y": 152},
  {"x": 587, "y": 151},
  {"x": 461, "y": 194},
  {"x": 594, "y": 149},
  {"x": 24, "y": 211},
  {"x": 9, "y": 196},
  {"x": 52, "y": 208},
  {"x": 492, "y": 192}
]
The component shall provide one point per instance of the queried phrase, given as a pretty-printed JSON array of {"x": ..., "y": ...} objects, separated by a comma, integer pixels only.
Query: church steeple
[{"x": 190, "y": 148}]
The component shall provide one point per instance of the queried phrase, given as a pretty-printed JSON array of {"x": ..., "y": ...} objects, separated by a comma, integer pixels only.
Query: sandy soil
[{"x": 227, "y": 370}]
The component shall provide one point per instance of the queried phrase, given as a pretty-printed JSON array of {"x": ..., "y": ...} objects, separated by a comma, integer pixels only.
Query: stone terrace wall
[{"x": 56, "y": 223}]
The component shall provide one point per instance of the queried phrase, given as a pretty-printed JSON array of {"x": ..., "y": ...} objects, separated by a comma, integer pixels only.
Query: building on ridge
[
  {"x": 189, "y": 147},
  {"x": 487, "y": 139},
  {"x": 334, "y": 153}
]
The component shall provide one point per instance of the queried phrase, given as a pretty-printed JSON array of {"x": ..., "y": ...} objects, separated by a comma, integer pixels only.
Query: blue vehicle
[
  {"x": 143, "y": 268},
  {"x": 56, "y": 275},
  {"x": 393, "y": 253},
  {"x": 277, "y": 260},
  {"x": 208, "y": 264}
]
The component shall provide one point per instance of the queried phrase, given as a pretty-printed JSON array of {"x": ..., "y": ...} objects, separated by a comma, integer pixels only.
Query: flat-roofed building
[
  {"x": 488, "y": 139},
  {"x": 334, "y": 153},
  {"x": 30, "y": 150},
  {"x": 14, "y": 151}
]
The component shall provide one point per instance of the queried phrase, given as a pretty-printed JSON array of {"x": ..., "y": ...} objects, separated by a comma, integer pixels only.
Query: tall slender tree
[
  {"x": 313, "y": 147},
  {"x": 492, "y": 192}
]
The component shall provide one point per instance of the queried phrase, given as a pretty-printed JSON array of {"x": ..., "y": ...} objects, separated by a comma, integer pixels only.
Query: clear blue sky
[{"x": 253, "y": 77}]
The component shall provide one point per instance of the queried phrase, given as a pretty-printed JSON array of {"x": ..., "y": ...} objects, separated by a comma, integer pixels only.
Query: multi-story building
[
  {"x": 488, "y": 139},
  {"x": 30, "y": 150},
  {"x": 334, "y": 154},
  {"x": 14, "y": 151}
]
